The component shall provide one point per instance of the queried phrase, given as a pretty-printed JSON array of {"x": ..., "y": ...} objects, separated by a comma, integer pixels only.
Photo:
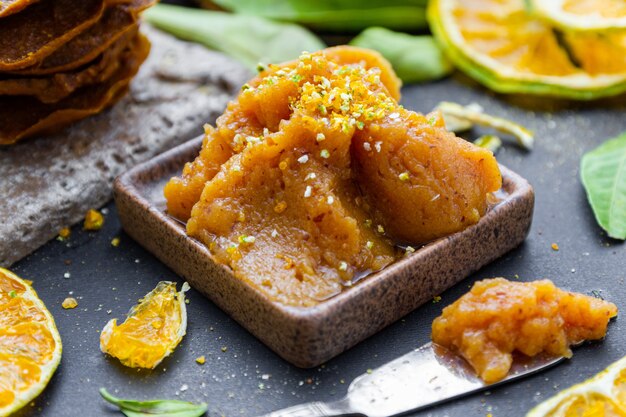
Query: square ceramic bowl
[{"x": 310, "y": 336}]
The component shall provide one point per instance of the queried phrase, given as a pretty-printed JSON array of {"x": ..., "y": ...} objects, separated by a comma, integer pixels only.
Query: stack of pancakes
[{"x": 64, "y": 60}]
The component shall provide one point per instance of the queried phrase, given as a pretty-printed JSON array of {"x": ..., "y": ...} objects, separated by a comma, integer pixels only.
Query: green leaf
[
  {"x": 155, "y": 408},
  {"x": 337, "y": 15},
  {"x": 250, "y": 39},
  {"x": 603, "y": 173},
  {"x": 414, "y": 58}
]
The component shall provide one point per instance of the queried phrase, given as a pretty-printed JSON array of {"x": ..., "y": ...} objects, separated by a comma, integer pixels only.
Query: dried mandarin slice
[
  {"x": 17, "y": 374},
  {"x": 30, "y": 345},
  {"x": 152, "y": 330},
  {"x": 19, "y": 310},
  {"x": 582, "y": 15},
  {"x": 506, "y": 48},
  {"x": 30, "y": 340},
  {"x": 602, "y": 395}
]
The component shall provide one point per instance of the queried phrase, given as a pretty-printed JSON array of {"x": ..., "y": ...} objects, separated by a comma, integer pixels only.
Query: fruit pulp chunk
[
  {"x": 498, "y": 317},
  {"x": 315, "y": 173},
  {"x": 151, "y": 331}
]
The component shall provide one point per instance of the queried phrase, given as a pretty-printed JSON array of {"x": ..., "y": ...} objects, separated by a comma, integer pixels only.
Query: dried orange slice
[
  {"x": 152, "y": 330},
  {"x": 510, "y": 50},
  {"x": 602, "y": 395},
  {"x": 30, "y": 345},
  {"x": 582, "y": 15}
]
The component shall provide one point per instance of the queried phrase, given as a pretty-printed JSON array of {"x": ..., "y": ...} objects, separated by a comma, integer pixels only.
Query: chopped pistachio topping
[
  {"x": 380, "y": 228},
  {"x": 325, "y": 154},
  {"x": 303, "y": 159},
  {"x": 308, "y": 191},
  {"x": 343, "y": 266},
  {"x": 246, "y": 239},
  {"x": 367, "y": 146},
  {"x": 320, "y": 137},
  {"x": 369, "y": 244},
  {"x": 330, "y": 199},
  {"x": 404, "y": 176},
  {"x": 253, "y": 140},
  {"x": 409, "y": 249}
]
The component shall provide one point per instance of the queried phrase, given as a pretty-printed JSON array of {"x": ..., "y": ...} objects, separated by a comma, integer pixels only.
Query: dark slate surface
[{"x": 248, "y": 379}]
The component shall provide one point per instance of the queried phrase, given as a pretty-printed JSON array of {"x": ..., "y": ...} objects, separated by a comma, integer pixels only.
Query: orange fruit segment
[
  {"x": 152, "y": 330},
  {"x": 30, "y": 345}
]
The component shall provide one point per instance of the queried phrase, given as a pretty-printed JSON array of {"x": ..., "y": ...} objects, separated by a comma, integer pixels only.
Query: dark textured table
[{"x": 243, "y": 377}]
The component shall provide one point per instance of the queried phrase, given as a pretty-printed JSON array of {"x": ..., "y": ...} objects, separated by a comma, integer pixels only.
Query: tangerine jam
[
  {"x": 498, "y": 317},
  {"x": 315, "y": 172}
]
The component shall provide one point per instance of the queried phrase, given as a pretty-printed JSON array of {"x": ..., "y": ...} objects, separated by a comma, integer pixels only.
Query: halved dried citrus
[
  {"x": 582, "y": 15},
  {"x": 152, "y": 330},
  {"x": 30, "y": 345},
  {"x": 502, "y": 45},
  {"x": 602, "y": 395}
]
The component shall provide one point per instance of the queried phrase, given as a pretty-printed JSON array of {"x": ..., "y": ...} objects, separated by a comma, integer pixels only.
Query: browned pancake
[
  {"x": 40, "y": 29},
  {"x": 85, "y": 47},
  {"x": 117, "y": 20},
  {"x": 55, "y": 87},
  {"x": 23, "y": 116}
]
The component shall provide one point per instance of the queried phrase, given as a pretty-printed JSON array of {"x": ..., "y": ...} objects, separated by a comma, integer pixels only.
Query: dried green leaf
[
  {"x": 155, "y": 408},
  {"x": 603, "y": 173},
  {"x": 414, "y": 58},
  {"x": 250, "y": 39}
]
